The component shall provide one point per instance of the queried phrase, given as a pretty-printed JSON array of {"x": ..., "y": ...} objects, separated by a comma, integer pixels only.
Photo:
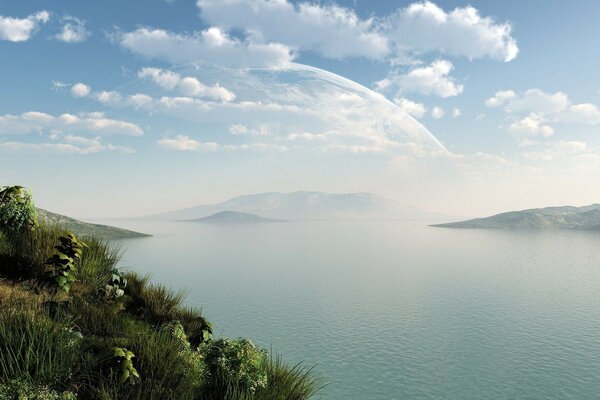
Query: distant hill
[
  {"x": 587, "y": 218},
  {"x": 306, "y": 206},
  {"x": 234, "y": 217},
  {"x": 86, "y": 229}
]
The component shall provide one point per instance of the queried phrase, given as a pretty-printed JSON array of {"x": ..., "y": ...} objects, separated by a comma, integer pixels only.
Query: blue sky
[{"x": 125, "y": 108}]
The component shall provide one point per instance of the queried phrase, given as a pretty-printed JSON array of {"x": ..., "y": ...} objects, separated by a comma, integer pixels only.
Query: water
[{"x": 397, "y": 310}]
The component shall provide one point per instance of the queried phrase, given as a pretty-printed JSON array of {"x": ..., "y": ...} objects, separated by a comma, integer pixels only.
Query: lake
[{"x": 396, "y": 309}]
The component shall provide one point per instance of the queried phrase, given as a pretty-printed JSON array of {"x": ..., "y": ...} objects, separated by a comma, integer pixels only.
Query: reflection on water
[{"x": 397, "y": 310}]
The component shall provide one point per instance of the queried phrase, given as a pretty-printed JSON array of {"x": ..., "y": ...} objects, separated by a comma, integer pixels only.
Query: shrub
[
  {"x": 285, "y": 382},
  {"x": 61, "y": 267},
  {"x": 234, "y": 362},
  {"x": 159, "y": 305},
  {"x": 19, "y": 389},
  {"x": 17, "y": 212}
]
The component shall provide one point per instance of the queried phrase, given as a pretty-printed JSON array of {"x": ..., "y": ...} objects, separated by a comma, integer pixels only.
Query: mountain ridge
[
  {"x": 234, "y": 217},
  {"x": 304, "y": 205}
]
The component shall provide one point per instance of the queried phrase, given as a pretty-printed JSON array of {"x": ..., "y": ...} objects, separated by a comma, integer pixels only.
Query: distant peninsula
[
  {"x": 582, "y": 218},
  {"x": 234, "y": 217},
  {"x": 86, "y": 229}
]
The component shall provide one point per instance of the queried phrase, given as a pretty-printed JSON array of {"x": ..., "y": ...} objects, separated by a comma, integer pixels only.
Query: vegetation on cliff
[{"x": 73, "y": 326}]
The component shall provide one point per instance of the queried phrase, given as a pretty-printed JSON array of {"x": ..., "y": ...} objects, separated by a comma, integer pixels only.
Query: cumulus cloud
[
  {"x": 80, "y": 90},
  {"x": 70, "y": 144},
  {"x": 433, "y": 79},
  {"x": 535, "y": 111},
  {"x": 21, "y": 29},
  {"x": 330, "y": 30},
  {"x": 437, "y": 112},
  {"x": 531, "y": 100},
  {"x": 417, "y": 110},
  {"x": 338, "y": 32},
  {"x": 212, "y": 46},
  {"x": 185, "y": 143},
  {"x": 425, "y": 27},
  {"x": 187, "y": 86},
  {"x": 456, "y": 113},
  {"x": 530, "y": 127},
  {"x": 39, "y": 122},
  {"x": 73, "y": 30}
]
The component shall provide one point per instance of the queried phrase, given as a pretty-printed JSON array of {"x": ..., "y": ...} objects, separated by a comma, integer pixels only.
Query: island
[
  {"x": 567, "y": 217},
  {"x": 234, "y": 217}
]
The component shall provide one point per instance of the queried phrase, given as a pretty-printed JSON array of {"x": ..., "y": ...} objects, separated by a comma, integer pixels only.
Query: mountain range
[
  {"x": 305, "y": 205},
  {"x": 585, "y": 218}
]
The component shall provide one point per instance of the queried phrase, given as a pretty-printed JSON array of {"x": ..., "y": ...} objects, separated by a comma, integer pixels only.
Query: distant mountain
[
  {"x": 306, "y": 206},
  {"x": 587, "y": 218},
  {"x": 86, "y": 229},
  {"x": 234, "y": 217}
]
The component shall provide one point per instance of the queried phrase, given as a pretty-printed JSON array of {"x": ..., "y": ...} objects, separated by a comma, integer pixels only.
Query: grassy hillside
[
  {"x": 73, "y": 326},
  {"x": 86, "y": 229},
  {"x": 584, "y": 218}
]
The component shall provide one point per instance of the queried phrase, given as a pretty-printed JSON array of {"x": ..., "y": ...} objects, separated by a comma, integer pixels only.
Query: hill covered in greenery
[
  {"x": 84, "y": 228},
  {"x": 74, "y": 326},
  {"x": 583, "y": 218}
]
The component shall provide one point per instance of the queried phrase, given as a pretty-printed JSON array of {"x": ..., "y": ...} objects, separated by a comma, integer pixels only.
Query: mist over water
[{"x": 395, "y": 309}]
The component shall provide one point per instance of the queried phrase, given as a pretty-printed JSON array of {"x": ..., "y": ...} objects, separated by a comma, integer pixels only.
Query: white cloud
[
  {"x": 238, "y": 129},
  {"x": 338, "y": 32},
  {"x": 38, "y": 122},
  {"x": 185, "y": 143},
  {"x": 531, "y": 100},
  {"x": 21, "y": 29},
  {"x": 425, "y": 27},
  {"x": 500, "y": 98},
  {"x": 70, "y": 144},
  {"x": 73, "y": 30},
  {"x": 586, "y": 113},
  {"x": 417, "y": 110},
  {"x": 80, "y": 90},
  {"x": 530, "y": 127},
  {"x": 433, "y": 79},
  {"x": 187, "y": 86},
  {"x": 330, "y": 30},
  {"x": 211, "y": 46},
  {"x": 456, "y": 113},
  {"x": 437, "y": 112}
]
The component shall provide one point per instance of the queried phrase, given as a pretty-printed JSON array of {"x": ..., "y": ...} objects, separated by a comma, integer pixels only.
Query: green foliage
[
  {"x": 175, "y": 330},
  {"x": 17, "y": 212},
  {"x": 124, "y": 361},
  {"x": 116, "y": 285},
  {"x": 158, "y": 305},
  {"x": 73, "y": 338},
  {"x": 238, "y": 362},
  {"x": 285, "y": 382},
  {"x": 63, "y": 264},
  {"x": 20, "y": 389},
  {"x": 35, "y": 348}
]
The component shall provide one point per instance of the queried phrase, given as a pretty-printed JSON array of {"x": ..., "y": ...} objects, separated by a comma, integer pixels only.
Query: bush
[
  {"x": 159, "y": 305},
  {"x": 234, "y": 362},
  {"x": 17, "y": 212},
  {"x": 61, "y": 267},
  {"x": 23, "y": 390}
]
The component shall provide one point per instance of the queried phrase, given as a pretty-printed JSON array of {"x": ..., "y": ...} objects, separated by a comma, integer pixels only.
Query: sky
[{"x": 117, "y": 109}]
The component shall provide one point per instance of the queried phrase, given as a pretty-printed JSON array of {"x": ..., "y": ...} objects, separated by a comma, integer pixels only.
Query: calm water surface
[{"x": 393, "y": 309}]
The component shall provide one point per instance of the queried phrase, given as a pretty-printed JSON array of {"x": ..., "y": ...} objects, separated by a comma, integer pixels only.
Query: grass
[{"x": 54, "y": 342}]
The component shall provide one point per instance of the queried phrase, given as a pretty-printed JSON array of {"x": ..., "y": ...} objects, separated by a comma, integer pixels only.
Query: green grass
[
  {"x": 53, "y": 341},
  {"x": 36, "y": 349}
]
